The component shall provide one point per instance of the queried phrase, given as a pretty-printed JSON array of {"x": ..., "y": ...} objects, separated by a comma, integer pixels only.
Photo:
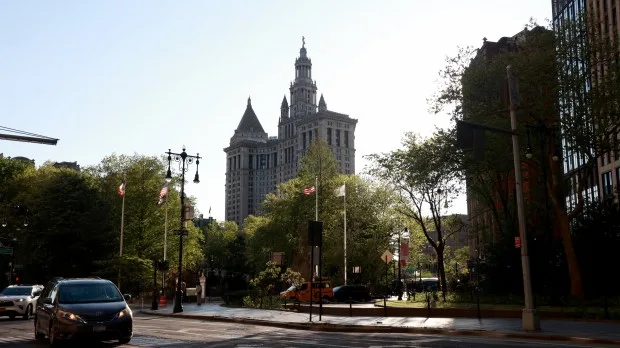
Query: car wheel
[
  {"x": 52, "y": 335},
  {"x": 124, "y": 340},
  {"x": 37, "y": 334},
  {"x": 28, "y": 312}
]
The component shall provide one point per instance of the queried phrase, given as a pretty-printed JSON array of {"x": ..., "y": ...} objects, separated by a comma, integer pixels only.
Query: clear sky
[{"x": 144, "y": 76}]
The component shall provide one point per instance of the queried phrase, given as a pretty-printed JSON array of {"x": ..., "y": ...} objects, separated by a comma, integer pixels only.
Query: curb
[{"x": 324, "y": 327}]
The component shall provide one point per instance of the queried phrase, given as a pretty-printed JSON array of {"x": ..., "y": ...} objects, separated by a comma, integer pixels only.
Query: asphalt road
[{"x": 150, "y": 331}]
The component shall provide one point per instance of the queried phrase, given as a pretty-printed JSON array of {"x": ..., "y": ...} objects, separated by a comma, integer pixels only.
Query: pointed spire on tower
[
  {"x": 284, "y": 109},
  {"x": 249, "y": 121},
  {"x": 322, "y": 105}
]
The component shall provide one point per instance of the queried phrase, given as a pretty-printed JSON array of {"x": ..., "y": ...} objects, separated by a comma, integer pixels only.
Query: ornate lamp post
[{"x": 184, "y": 161}]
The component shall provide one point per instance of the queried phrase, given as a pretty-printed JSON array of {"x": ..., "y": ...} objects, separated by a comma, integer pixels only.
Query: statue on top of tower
[{"x": 303, "y": 42}]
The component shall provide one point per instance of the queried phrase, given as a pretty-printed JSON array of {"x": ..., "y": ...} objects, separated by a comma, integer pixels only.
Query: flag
[
  {"x": 308, "y": 191},
  {"x": 163, "y": 194},
  {"x": 121, "y": 189},
  {"x": 209, "y": 210},
  {"x": 339, "y": 192}
]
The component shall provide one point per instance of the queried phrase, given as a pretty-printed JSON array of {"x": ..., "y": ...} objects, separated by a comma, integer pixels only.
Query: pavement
[{"x": 579, "y": 331}]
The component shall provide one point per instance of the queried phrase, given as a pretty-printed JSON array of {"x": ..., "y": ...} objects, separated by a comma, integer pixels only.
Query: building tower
[{"x": 256, "y": 163}]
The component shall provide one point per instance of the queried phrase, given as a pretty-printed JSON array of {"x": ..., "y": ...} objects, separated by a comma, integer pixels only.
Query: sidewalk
[{"x": 559, "y": 330}]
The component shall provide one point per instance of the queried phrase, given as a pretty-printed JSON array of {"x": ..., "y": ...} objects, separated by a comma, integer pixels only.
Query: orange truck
[{"x": 320, "y": 290}]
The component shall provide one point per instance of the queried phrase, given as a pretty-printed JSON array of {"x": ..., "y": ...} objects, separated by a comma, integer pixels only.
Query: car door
[{"x": 45, "y": 308}]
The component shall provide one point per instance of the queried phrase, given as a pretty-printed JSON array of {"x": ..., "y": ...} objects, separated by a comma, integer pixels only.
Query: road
[{"x": 150, "y": 331}]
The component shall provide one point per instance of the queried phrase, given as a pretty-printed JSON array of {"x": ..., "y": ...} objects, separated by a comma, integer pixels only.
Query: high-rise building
[
  {"x": 256, "y": 163},
  {"x": 602, "y": 19},
  {"x": 574, "y": 163}
]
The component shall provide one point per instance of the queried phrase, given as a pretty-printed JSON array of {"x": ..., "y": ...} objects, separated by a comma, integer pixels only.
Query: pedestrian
[{"x": 198, "y": 293}]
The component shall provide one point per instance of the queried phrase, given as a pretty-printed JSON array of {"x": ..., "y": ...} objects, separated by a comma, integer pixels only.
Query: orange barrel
[{"x": 163, "y": 301}]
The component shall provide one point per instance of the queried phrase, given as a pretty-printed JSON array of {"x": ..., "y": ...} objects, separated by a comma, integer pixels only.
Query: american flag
[
  {"x": 163, "y": 194},
  {"x": 121, "y": 189},
  {"x": 308, "y": 191}
]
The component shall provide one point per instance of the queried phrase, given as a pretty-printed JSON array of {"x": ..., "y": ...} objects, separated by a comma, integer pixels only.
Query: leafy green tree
[
  {"x": 284, "y": 228},
  {"x": 291, "y": 277},
  {"x": 219, "y": 237},
  {"x": 68, "y": 230},
  {"x": 143, "y": 234},
  {"x": 424, "y": 179},
  {"x": 266, "y": 279}
]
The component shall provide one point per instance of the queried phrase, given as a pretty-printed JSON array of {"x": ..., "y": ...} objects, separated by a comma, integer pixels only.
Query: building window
[
  {"x": 608, "y": 188},
  {"x": 303, "y": 140},
  {"x": 337, "y": 137},
  {"x": 329, "y": 136},
  {"x": 346, "y": 138}
]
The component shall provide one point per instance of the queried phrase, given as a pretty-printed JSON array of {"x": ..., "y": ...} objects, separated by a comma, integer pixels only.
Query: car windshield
[
  {"x": 89, "y": 293},
  {"x": 17, "y": 291}
]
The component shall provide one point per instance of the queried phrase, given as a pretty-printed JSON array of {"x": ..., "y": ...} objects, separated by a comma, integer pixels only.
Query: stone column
[{"x": 203, "y": 285}]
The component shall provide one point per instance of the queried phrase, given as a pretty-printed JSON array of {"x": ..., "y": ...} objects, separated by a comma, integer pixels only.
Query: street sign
[
  {"x": 181, "y": 232},
  {"x": 387, "y": 256},
  {"x": 6, "y": 251},
  {"x": 188, "y": 212}
]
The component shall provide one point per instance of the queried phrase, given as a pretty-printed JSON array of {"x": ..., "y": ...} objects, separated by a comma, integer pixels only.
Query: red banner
[
  {"x": 517, "y": 242},
  {"x": 403, "y": 255}
]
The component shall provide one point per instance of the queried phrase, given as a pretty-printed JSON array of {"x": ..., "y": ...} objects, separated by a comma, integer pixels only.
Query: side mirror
[
  {"x": 127, "y": 297},
  {"x": 47, "y": 300}
]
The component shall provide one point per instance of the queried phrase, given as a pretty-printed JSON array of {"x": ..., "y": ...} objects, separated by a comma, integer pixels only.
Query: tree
[
  {"x": 425, "y": 179},
  {"x": 143, "y": 234},
  {"x": 68, "y": 230},
  {"x": 284, "y": 227},
  {"x": 554, "y": 68}
]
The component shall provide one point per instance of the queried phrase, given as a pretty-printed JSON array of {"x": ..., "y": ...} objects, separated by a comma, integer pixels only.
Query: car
[
  {"x": 356, "y": 293},
  {"x": 19, "y": 300},
  {"x": 321, "y": 291},
  {"x": 82, "y": 308}
]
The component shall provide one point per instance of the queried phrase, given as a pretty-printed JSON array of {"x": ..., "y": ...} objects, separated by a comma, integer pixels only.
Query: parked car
[
  {"x": 357, "y": 293},
  {"x": 19, "y": 300},
  {"x": 89, "y": 308},
  {"x": 320, "y": 290}
]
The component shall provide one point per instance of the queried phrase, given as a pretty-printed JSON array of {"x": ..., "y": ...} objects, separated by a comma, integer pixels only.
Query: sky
[{"x": 143, "y": 77}]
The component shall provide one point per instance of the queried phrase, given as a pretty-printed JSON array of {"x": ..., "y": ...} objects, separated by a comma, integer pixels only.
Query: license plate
[{"x": 99, "y": 328}]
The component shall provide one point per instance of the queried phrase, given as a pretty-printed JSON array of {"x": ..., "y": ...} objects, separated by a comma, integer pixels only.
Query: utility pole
[{"x": 529, "y": 320}]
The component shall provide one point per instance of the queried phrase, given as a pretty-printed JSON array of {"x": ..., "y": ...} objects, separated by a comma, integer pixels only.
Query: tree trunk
[
  {"x": 441, "y": 270},
  {"x": 563, "y": 221},
  {"x": 576, "y": 286}
]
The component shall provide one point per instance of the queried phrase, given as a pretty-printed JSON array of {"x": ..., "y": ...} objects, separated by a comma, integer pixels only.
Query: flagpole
[
  {"x": 120, "y": 253},
  {"x": 122, "y": 225},
  {"x": 316, "y": 204},
  {"x": 345, "y": 235},
  {"x": 166, "y": 228}
]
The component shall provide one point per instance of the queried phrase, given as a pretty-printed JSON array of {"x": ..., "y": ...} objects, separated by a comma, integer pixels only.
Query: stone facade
[{"x": 256, "y": 163}]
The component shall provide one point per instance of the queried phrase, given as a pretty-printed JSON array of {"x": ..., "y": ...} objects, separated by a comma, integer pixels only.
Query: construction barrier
[{"x": 163, "y": 301}]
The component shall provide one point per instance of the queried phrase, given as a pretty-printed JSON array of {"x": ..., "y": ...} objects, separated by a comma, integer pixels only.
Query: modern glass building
[{"x": 572, "y": 39}]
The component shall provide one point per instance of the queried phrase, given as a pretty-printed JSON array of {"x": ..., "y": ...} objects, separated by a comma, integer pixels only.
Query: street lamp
[{"x": 184, "y": 161}]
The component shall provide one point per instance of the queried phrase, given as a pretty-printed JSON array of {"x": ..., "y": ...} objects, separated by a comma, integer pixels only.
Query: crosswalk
[
  {"x": 15, "y": 339},
  {"x": 136, "y": 341},
  {"x": 150, "y": 341}
]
